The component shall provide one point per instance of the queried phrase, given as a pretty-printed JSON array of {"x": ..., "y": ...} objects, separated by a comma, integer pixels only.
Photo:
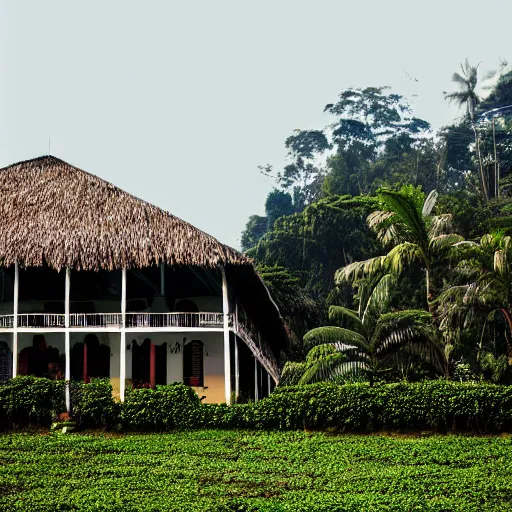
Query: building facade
[{"x": 97, "y": 283}]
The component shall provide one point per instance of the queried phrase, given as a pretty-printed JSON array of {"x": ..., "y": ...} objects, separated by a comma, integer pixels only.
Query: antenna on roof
[{"x": 49, "y": 145}]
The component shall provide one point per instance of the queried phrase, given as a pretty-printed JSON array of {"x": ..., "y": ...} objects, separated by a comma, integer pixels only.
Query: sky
[{"x": 178, "y": 102}]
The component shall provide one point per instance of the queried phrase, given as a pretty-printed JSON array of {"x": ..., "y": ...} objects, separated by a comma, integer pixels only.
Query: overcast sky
[{"x": 178, "y": 102}]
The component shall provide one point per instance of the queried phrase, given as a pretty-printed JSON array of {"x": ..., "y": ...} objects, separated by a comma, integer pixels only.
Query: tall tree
[
  {"x": 366, "y": 121},
  {"x": 466, "y": 96},
  {"x": 254, "y": 229},
  {"x": 302, "y": 175},
  {"x": 278, "y": 204}
]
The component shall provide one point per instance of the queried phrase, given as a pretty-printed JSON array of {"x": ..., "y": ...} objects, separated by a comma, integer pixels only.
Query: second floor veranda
[{"x": 161, "y": 298}]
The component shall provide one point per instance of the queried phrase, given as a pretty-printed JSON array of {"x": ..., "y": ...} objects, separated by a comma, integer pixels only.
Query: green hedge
[
  {"x": 93, "y": 405},
  {"x": 32, "y": 401},
  {"x": 160, "y": 409},
  {"x": 431, "y": 405}
]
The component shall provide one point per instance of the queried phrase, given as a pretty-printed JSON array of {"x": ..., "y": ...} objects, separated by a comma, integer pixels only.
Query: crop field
[{"x": 236, "y": 470}]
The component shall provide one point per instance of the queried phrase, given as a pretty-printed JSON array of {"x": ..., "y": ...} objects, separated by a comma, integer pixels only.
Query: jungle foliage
[{"x": 421, "y": 220}]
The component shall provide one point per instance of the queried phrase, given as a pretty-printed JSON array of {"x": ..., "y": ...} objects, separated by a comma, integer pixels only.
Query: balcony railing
[
  {"x": 40, "y": 320},
  {"x": 166, "y": 320},
  {"x": 113, "y": 320},
  {"x": 6, "y": 321},
  {"x": 95, "y": 320}
]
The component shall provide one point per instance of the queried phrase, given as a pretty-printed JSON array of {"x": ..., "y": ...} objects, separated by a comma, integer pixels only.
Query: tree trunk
[{"x": 427, "y": 279}]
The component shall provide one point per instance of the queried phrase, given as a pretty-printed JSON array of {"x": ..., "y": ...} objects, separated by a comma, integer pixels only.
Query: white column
[
  {"x": 67, "y": 347},
  {"x": 237, "y": 370},
  {"x": 122, "y": 365},
  {"x": 256, "y": 392},
  {"x": 15, "y": 321},
  {"x": 227, "y": 360},
  {"x": 268, "y": 383}
]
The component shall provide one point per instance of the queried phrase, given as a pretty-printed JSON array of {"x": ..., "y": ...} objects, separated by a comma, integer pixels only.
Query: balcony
[
  {"x": 41, "y": 320},
  {"x": 170, "y": 320},
  {"x": 6, "y": 321},
  {"x": 114, "y": 321},
  {"x": 100, "y": 320}
]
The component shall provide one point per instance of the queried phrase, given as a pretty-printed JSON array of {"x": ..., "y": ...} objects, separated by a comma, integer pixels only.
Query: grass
[{"x": 230, "y": 470}]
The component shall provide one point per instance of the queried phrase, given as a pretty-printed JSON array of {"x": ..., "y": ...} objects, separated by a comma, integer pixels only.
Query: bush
[
  {"x": 166, "y": 408},
  {"x": 433, "y": 405},
  {"x": 32, "y": 401},
  {"x": 93, "y": 405}
]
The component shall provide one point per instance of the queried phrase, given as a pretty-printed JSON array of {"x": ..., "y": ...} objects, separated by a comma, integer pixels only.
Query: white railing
[
  {"x": 113, "y": 320},
  {"x": 260, "y": 351},
  {"x": 6, "y": 321},
  {"x": 40, "y": 320},
  {"x": 95, "y": 320},
  {"x": 165, "y": 320}
]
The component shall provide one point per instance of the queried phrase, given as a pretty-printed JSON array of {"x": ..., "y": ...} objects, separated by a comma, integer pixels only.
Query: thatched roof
[{"x": 53, "y": 212}]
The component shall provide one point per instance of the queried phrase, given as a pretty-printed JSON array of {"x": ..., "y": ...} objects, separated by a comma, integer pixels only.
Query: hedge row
[
  {"x": 32, "y": 401},
  {"x": 432, "y": 405}
]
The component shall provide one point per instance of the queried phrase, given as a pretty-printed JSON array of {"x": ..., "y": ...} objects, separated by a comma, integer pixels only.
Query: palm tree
[
  {"x": 416, "y": 235},
  {"x": 487, "y": 295},
  {"x": 482, "y": 305},
  {"x": 466, "y": 96},
  {"x": 367, "y": 342}
]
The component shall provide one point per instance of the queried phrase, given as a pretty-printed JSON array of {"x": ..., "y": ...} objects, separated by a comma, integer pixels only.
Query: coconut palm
[
  {"x": 414, "y": 233},
  {"x": 466, "y": 96},
  {"x": 367, "y": 343}
]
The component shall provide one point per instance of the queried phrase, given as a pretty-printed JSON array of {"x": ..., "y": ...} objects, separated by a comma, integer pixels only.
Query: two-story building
[{"x": 95, "y": 282}]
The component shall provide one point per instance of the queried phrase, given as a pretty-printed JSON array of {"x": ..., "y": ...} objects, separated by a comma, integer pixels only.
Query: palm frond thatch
[{"x": 55, "y": 213}]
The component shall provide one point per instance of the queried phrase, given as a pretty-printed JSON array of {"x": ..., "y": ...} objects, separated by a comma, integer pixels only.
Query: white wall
[{"x": 213, "y": 356}]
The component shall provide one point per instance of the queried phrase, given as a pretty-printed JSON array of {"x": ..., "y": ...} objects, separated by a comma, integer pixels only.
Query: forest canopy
[{"x": 388, "y": 246}]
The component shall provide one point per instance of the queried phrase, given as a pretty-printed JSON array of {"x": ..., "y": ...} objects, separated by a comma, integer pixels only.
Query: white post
[
  {"x": 227, "y": 360},
  {"x": 67, "y": 347},
  {"x": 122, "y": 366},
  {"x": 268, "y": 383},
  {"x": 162, "y": 279},
  {"x": 15, "y": 321},
  {"x": 256, "y": 392},
  {"x": 237, "y": 370}
]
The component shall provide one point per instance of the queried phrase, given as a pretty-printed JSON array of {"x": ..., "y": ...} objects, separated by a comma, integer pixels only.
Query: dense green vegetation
[
  {"x": 435, "y": 405},
  {"x": 237, "y": 470},
  {"x": 387, "y": 246}
]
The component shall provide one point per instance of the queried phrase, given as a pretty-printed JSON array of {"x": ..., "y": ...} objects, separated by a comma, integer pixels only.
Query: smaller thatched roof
[{"x": 55, "y": 213}]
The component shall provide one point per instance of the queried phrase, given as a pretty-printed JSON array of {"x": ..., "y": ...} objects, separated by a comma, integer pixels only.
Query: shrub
[
  {"x": 93, "y": 405},
  {"x": 436, "y": 405},
  {"x": 30, "y": 401},
  {"x": 166, "y": 408},
  {"x": 432, "y": 405}
]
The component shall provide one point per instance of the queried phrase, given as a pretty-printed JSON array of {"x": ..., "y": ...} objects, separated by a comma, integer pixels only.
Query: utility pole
[{"x": 493, "y": 113}]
